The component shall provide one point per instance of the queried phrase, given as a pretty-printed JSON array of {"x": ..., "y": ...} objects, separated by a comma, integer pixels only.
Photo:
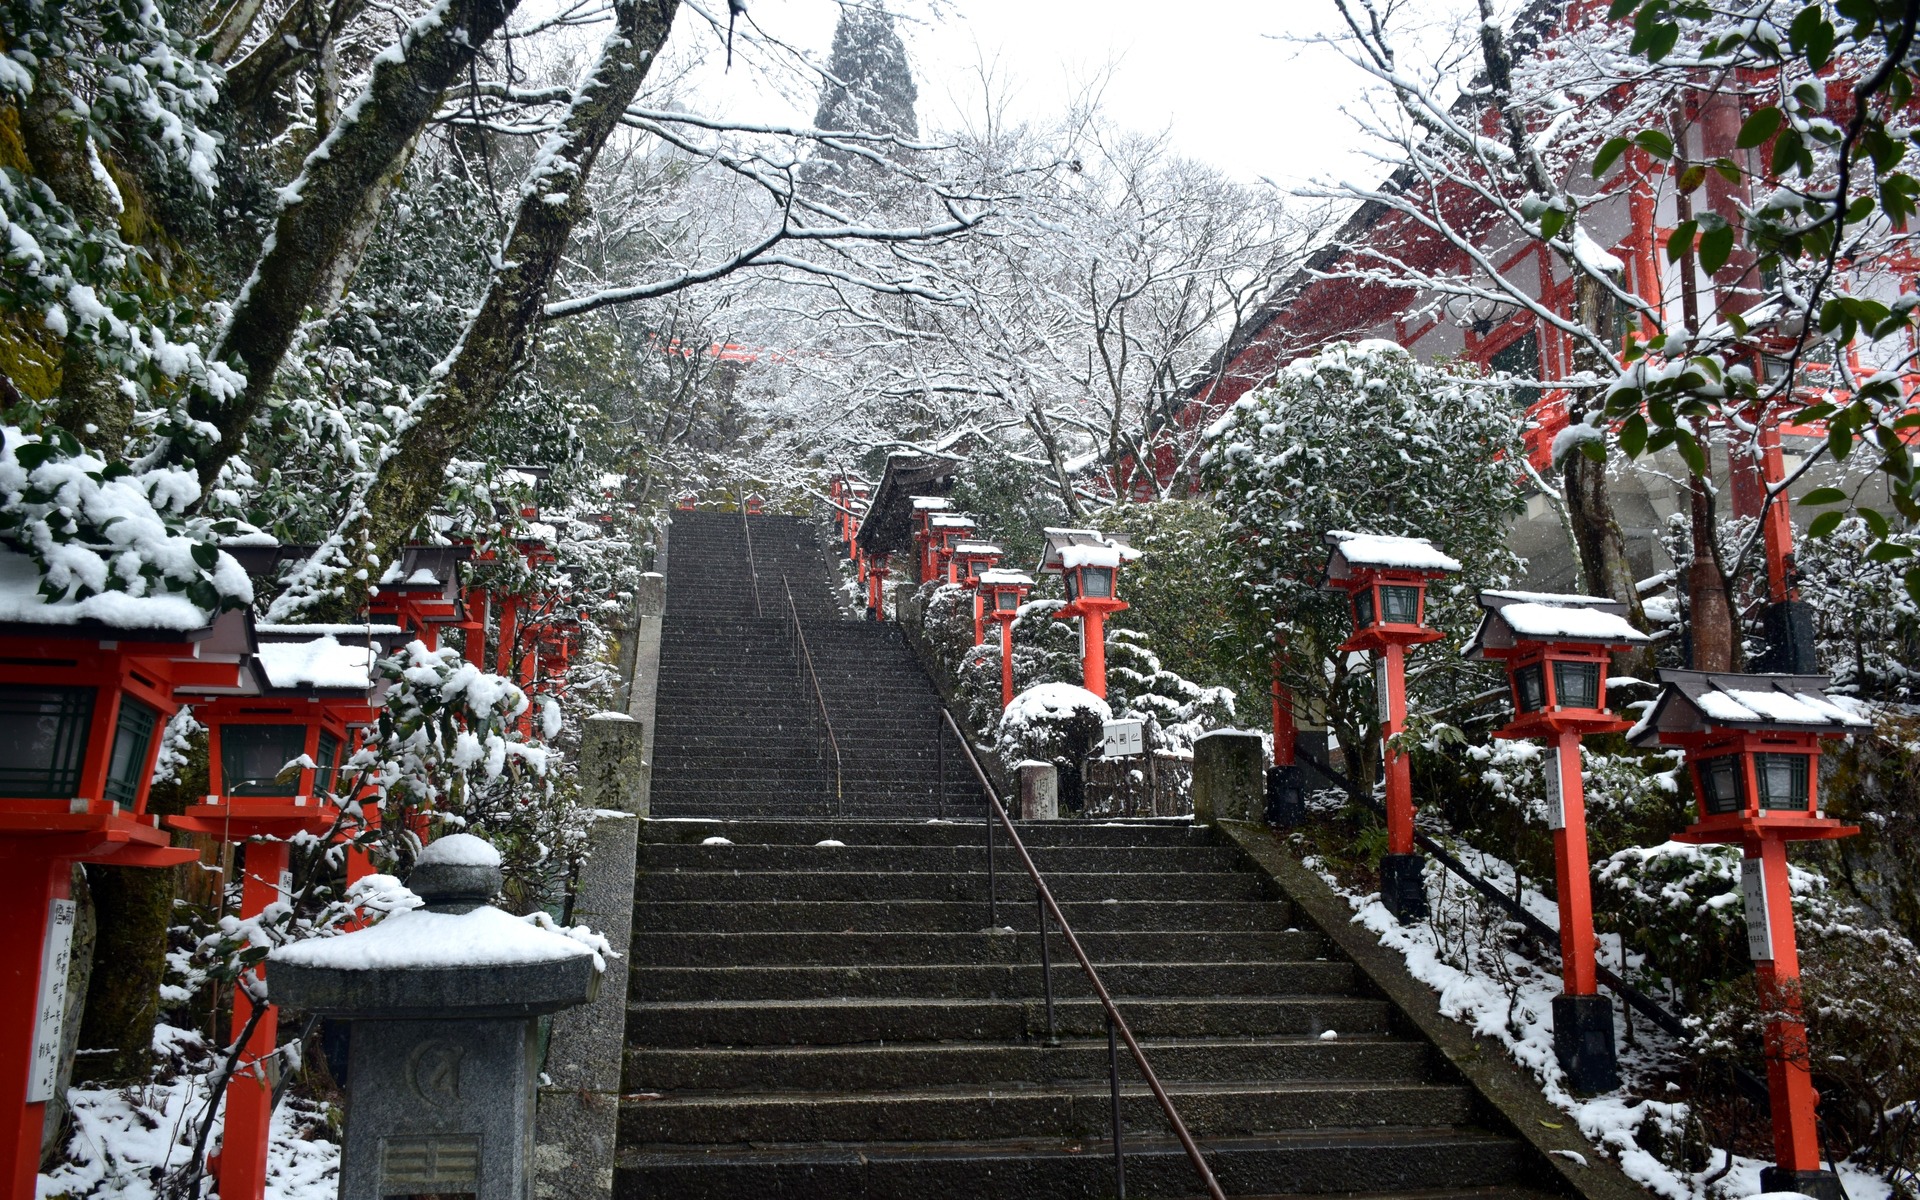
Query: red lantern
[
  {"x": 1088, "y": 563},
  {"x": 421, "y": 592},
  {"x": 310, "y": 687},
  {"x": 83, "y": 707},
  {"x": 756, "y": 504},
  {"x": 925, "y": 508},
  {"x": 1002, "y": 593},
  {"x": 969, "y": 559},
  {"x": 1555, "y": 649},
  {"x": 1385, "y": 579},
  {"x": 944, "y": 530},
  {"x": 688, "y": 501},
  {"x": 1753, "y": 748}
]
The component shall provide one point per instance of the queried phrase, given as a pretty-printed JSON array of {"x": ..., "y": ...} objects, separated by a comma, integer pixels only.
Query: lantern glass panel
[
  {"x": 1072, "y": 580},
  {"x": 1006, "y": 601},
  {"x": 328, "y": 762},
  {"x": 132, "y": 737},
  {"x": 1721, "y": 782},
  {"x": 1530, "y": 688},
  {"x": 43, "y": 740},
  {"x": 1576, "y": 684},
  {"x": 1098, "y": 581},
  {"x": 1363, "y": 608},
  {"x": 251, "y": 756},
  {"x": 1783, "y": 781},
  {"x": 1399, "y": 604}
]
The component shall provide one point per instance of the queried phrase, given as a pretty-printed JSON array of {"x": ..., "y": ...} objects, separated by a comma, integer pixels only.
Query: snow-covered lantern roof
[
  {"x": 1753, "y": 746},
  {"x": 1004, "y": 591},
  {"x": 87, "y": 686},
  {"x": 529, "y": 477},
  {"x": 1385, "y": 579},
  {"x": 1555, "y": 648},
  {"x": 313, "y": 685},
  {"x": 421, "y": 590},
  {"x": 970, "y": 557},
  {"x": 1088, "y": 563}
]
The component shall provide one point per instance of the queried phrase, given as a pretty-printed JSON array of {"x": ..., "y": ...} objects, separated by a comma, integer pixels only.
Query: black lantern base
[
  {"x": 1402, "y": 886},
  {"x": 1821, "y": 1185},
  {"x": 1286, "y": 797},
  {"x": 1583, "y": 1042}
]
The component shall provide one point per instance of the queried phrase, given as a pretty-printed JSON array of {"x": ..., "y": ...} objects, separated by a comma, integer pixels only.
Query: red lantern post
[
  {"x": 877, "y": 587},
  {"x": 1385, "y": 579},
  {"x": 1555, "y": 649},
  {"x": 1753, "y": 749},
  {"x": 944, "y": 530},
  {"x": 83, "y": 705},
  {"x": 925, "y": 508},
  {"x": 1088, "y": 563},
  {"x": 1004, "y": 592},
  {"x": 310, "y": 686},
  {"x": 969, "y": 560}
]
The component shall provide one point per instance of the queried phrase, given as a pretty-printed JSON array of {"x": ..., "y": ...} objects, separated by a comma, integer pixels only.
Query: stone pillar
[
  {"x": 612, "y": 770},
  {"x": 1229, "y": 781},
  {"x": 1039, "y": 791},
  {"x": 650, "y": 607}
]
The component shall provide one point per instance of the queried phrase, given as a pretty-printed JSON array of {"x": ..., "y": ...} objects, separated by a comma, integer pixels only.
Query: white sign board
[
  {"x": 51, "y": 1020},
  {"x": 1753, "y": 889},
  {"x": 1123, "y": 738},
  {"x": 1383, "y": 689},
  {"x": 1556, "y": 798}
]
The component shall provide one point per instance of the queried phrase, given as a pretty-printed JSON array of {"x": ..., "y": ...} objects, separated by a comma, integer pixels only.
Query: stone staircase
[
  {"x": 739, "y": 732},
  {"x": 817, "y": 1009}
]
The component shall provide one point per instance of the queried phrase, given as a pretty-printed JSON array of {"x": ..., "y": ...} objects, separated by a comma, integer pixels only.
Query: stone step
[
  {"x": 1175, "y": 831},
  {"x": 1078, "y": 1111},
  {"x": 1014, "y": 885},
  {"x": 656, "y": 856},
  {"x": 857, "y": 948},
  {"x": 1016, "y": 981},
  {"x": 1356, "y": 1058},
  {"x": 1307, "y": 1162},
  {"x": 863, "y": 1020},
  {"x": 950, "y": 916}
]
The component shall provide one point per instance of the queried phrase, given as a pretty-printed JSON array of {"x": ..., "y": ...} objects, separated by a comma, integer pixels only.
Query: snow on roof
[
  {"x": 1691, "y": 700},
  {"x": 20, "y": 600},
  {"x": 482, "y": 937},
  {"x": 969, "y": 546},
  {"x": 1548, "y": 621},
  {"x": 319, "y": 663},
  {"x": 952, "y": 521},
  {"x": 368, "y": 629},
  {"x": 460, "y": 850},
  {"x": 929, "y": 503},
  {"x": 1000, "y": 577},
  {"x": 1089, "y": 556},
  {"x": 1380, "y": 550},
  {"x": 1800, "y": 708}
]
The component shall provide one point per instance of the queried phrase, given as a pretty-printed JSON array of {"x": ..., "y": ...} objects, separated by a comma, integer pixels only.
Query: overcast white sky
[{"x": 1229, "y": 79}]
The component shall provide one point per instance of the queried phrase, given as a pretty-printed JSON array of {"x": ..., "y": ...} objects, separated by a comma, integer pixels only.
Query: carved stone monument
[{"x": 443, "y": 1005}]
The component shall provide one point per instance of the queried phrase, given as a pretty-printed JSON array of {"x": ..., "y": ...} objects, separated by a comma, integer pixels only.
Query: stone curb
[{"x": 1511, "y": 1096}]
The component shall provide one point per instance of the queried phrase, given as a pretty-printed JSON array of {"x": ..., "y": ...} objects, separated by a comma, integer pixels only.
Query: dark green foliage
[
  {"x": 869, "y": 86},
  {"x": 998, "y": 490}
]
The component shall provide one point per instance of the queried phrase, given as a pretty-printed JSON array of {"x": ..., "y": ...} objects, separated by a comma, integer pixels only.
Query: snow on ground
[
  {"x": 1463, "y": 955},
  {"x": 126, "y": 1141}
]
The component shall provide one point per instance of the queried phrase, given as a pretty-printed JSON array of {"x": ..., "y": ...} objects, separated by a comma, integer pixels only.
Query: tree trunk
[
  {"x": 88, "y": 405},
  {"x": 496, "y": 341},
  {"x": 317, "y": 214}
]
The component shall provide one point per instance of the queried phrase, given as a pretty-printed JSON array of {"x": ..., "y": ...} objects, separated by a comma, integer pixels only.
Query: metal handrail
[
  {"x": 1116, "y": 1024},
  {"x": 753, "y": 572},
  {"x": 805, "y": 657},
  {"x": 1752, "y": 1085}
]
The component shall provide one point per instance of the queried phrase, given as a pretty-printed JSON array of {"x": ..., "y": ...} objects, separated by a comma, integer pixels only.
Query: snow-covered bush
[
  {"x": 1866, "y": 625},
  {"x": 1363, "y": 437},
  {"x": 1177, "y": 710},
  {"x": 1056, "y": 723}
]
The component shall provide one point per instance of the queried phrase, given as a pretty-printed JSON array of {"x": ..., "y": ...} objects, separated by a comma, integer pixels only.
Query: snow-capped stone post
[
  {"x": 970, "y": 560},
  {"x": 87, "y": 686},
  {"x": 1753, "y": 746},
  {"x": 1556, "y": 649},
  {"x": 925, "y": 508},
  {"x": 1002, "y": 592},
  {"x": 274, "y": 753},
  {"x": 1385, "y": 579},
  {"x": 443, "y": 1005},
  {"x": 1088, "y": 563},
  {"x": 1039, "y": 791}
]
